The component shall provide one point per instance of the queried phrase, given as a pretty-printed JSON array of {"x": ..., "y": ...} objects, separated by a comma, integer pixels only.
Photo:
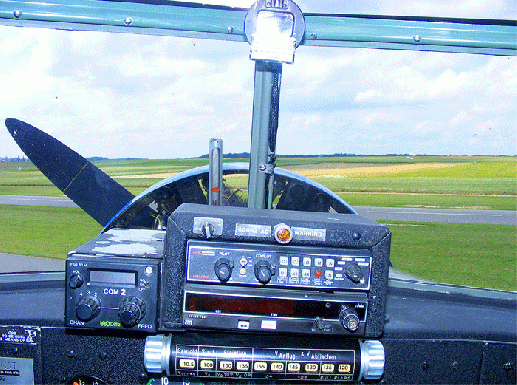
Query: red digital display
[{"x": 250, "y": 305}]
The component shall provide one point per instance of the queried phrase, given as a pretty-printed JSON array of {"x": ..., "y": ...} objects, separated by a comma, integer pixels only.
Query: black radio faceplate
[
  {"x": 112, "y": 282},
  {"x": 279, "y": 266},
  {"x": 274, "y": 310}
]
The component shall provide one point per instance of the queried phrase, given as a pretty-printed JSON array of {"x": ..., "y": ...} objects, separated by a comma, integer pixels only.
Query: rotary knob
[
  {"x": 208, "y": 230},
  {"x": 349, "y": 319},
  {"x": 131, "y": 311},
  {"x": 263, "y": 271},
  {"x": 87, "y": 308},
  {"x": 223, "y": 269},
  {"x": 353, "y": 272},
  {"x": 76, "y": 280}
]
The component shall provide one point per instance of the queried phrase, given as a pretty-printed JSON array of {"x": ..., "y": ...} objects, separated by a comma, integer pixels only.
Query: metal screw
[
  {"x": 454, "y": 365},
  {"x": 416, "y": 38},
  {"x": 17, "y": 14},
  {"x": 356, "y": 236},
  {"x": 314, "y": 36},
  {"x": 425, "y": 365},
  {"x": 128, "y": 21},
  {"x": 509, "y": 366},
  {"x": 230, "y": 29},
  {"x": 262, "y": 167},
  {"x": 70, "y": 353},
  {"x": 103, "y": 355}
]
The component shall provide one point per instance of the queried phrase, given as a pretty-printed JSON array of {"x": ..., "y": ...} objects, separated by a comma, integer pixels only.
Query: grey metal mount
[
  {"x": 274, "y": 29},
  {"x": 263, "y": 132}
]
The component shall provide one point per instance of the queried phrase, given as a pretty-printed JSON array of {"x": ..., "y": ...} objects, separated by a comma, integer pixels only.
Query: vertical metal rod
[
  {"x": 263, "y": 130},
  {"x": 215, "y": 167}
]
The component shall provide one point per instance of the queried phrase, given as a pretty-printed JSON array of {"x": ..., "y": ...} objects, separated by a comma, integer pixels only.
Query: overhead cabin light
[{"x": 274, "y": 28}]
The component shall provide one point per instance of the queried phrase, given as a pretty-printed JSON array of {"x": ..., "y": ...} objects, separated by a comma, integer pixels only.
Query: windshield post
[{"x": 263, "y": 131}]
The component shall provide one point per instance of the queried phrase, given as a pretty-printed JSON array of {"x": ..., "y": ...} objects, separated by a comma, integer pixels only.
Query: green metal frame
[{"x": 493, "y": 37}]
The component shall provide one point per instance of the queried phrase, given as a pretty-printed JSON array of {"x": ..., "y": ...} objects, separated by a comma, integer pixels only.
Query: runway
[{"x": 490, "y": 217}]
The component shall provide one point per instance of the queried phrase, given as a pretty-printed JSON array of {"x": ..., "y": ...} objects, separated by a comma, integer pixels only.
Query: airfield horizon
[{"x": 463, "y": 254}]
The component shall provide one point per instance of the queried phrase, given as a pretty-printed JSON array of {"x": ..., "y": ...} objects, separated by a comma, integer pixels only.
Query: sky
[{"x": 124, "y": 95}]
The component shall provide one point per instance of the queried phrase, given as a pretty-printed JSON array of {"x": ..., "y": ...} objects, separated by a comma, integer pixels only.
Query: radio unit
[
  {"x": 113, "y": 281},
  {"x": 344, "y": 277},
  {"x": 236, "y": 269},
  {"x": 274, "y": 271}
]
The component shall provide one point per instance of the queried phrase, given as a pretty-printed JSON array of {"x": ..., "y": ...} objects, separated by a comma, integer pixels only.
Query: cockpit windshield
[{"x": 419, "y": 134}]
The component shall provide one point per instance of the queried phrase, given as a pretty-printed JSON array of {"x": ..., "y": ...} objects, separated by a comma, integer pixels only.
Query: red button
[{"x": 317, "y": 273}]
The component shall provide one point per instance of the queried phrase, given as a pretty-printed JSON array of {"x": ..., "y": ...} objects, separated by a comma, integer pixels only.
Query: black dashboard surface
[{"x": 433, "y": 334}]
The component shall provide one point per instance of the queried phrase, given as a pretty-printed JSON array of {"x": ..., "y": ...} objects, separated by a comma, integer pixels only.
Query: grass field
[
  {"x": 467, "y": 254},
  {"x": 441, "y": 182},
  {"x": 475, "y": 255}
]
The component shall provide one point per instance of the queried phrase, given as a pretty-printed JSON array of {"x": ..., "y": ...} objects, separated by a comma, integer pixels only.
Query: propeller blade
[{"x": 90, "y": 188}]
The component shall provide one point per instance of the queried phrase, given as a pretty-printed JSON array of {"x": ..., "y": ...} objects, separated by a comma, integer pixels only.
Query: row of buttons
[
  {"x": 262, "y": 366},
  {"x": 306, "y": 261},
  {"x": 306, "y": 273}
]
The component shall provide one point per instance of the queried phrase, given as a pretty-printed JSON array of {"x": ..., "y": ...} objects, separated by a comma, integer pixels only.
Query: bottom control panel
[
  {"x": 256, "y": 363},
  {"x": 357, "y": 360}
]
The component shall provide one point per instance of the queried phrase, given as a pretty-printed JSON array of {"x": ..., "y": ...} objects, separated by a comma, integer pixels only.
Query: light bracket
[{"x": 274, "y": 28}]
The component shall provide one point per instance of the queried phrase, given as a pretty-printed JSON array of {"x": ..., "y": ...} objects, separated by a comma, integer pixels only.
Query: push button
[
  {"x": 260, "y": 366},
  {"x": 225, "y": 365},
  {"x": 293, "y": 367},
  {"x": 243, "y": 366},
  {"x": 277, "y": 366},
  {"x": 187, "y": 363},
  {"x": 206, "y": 364},
  {"x": 311, "y": 368}
]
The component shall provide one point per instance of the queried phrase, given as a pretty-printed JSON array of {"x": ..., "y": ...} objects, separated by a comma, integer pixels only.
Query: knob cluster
[
  {"x": 131, "y": 310},
  {"x": 87, "y": 308},
  {"x": 223, "y": 269},
  {"x": 353, "y": 272},
  {"x": 349, "y": 318},
  {"x": 263, "y": 270}
]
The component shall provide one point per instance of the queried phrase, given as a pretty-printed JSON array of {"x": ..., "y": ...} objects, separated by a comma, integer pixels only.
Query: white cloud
[
  {"x": 370, "y": 95},
  {"x": 461, "y": 117},
  {"x": 126, "y": 95}
]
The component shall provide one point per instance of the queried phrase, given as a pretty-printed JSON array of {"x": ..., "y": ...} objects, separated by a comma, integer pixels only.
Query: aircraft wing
[{"x": 161, "y": 17}]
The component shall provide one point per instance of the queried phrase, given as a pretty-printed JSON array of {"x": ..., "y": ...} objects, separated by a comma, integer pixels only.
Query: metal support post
[
  {"x": 215, "y": 161},
  {"x": 263, "y": 132}
]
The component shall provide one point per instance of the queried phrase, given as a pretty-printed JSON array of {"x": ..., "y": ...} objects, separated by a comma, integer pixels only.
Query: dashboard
[
  {"x": 433, "y": 334},
  {"x": 238, "y": 295}
]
